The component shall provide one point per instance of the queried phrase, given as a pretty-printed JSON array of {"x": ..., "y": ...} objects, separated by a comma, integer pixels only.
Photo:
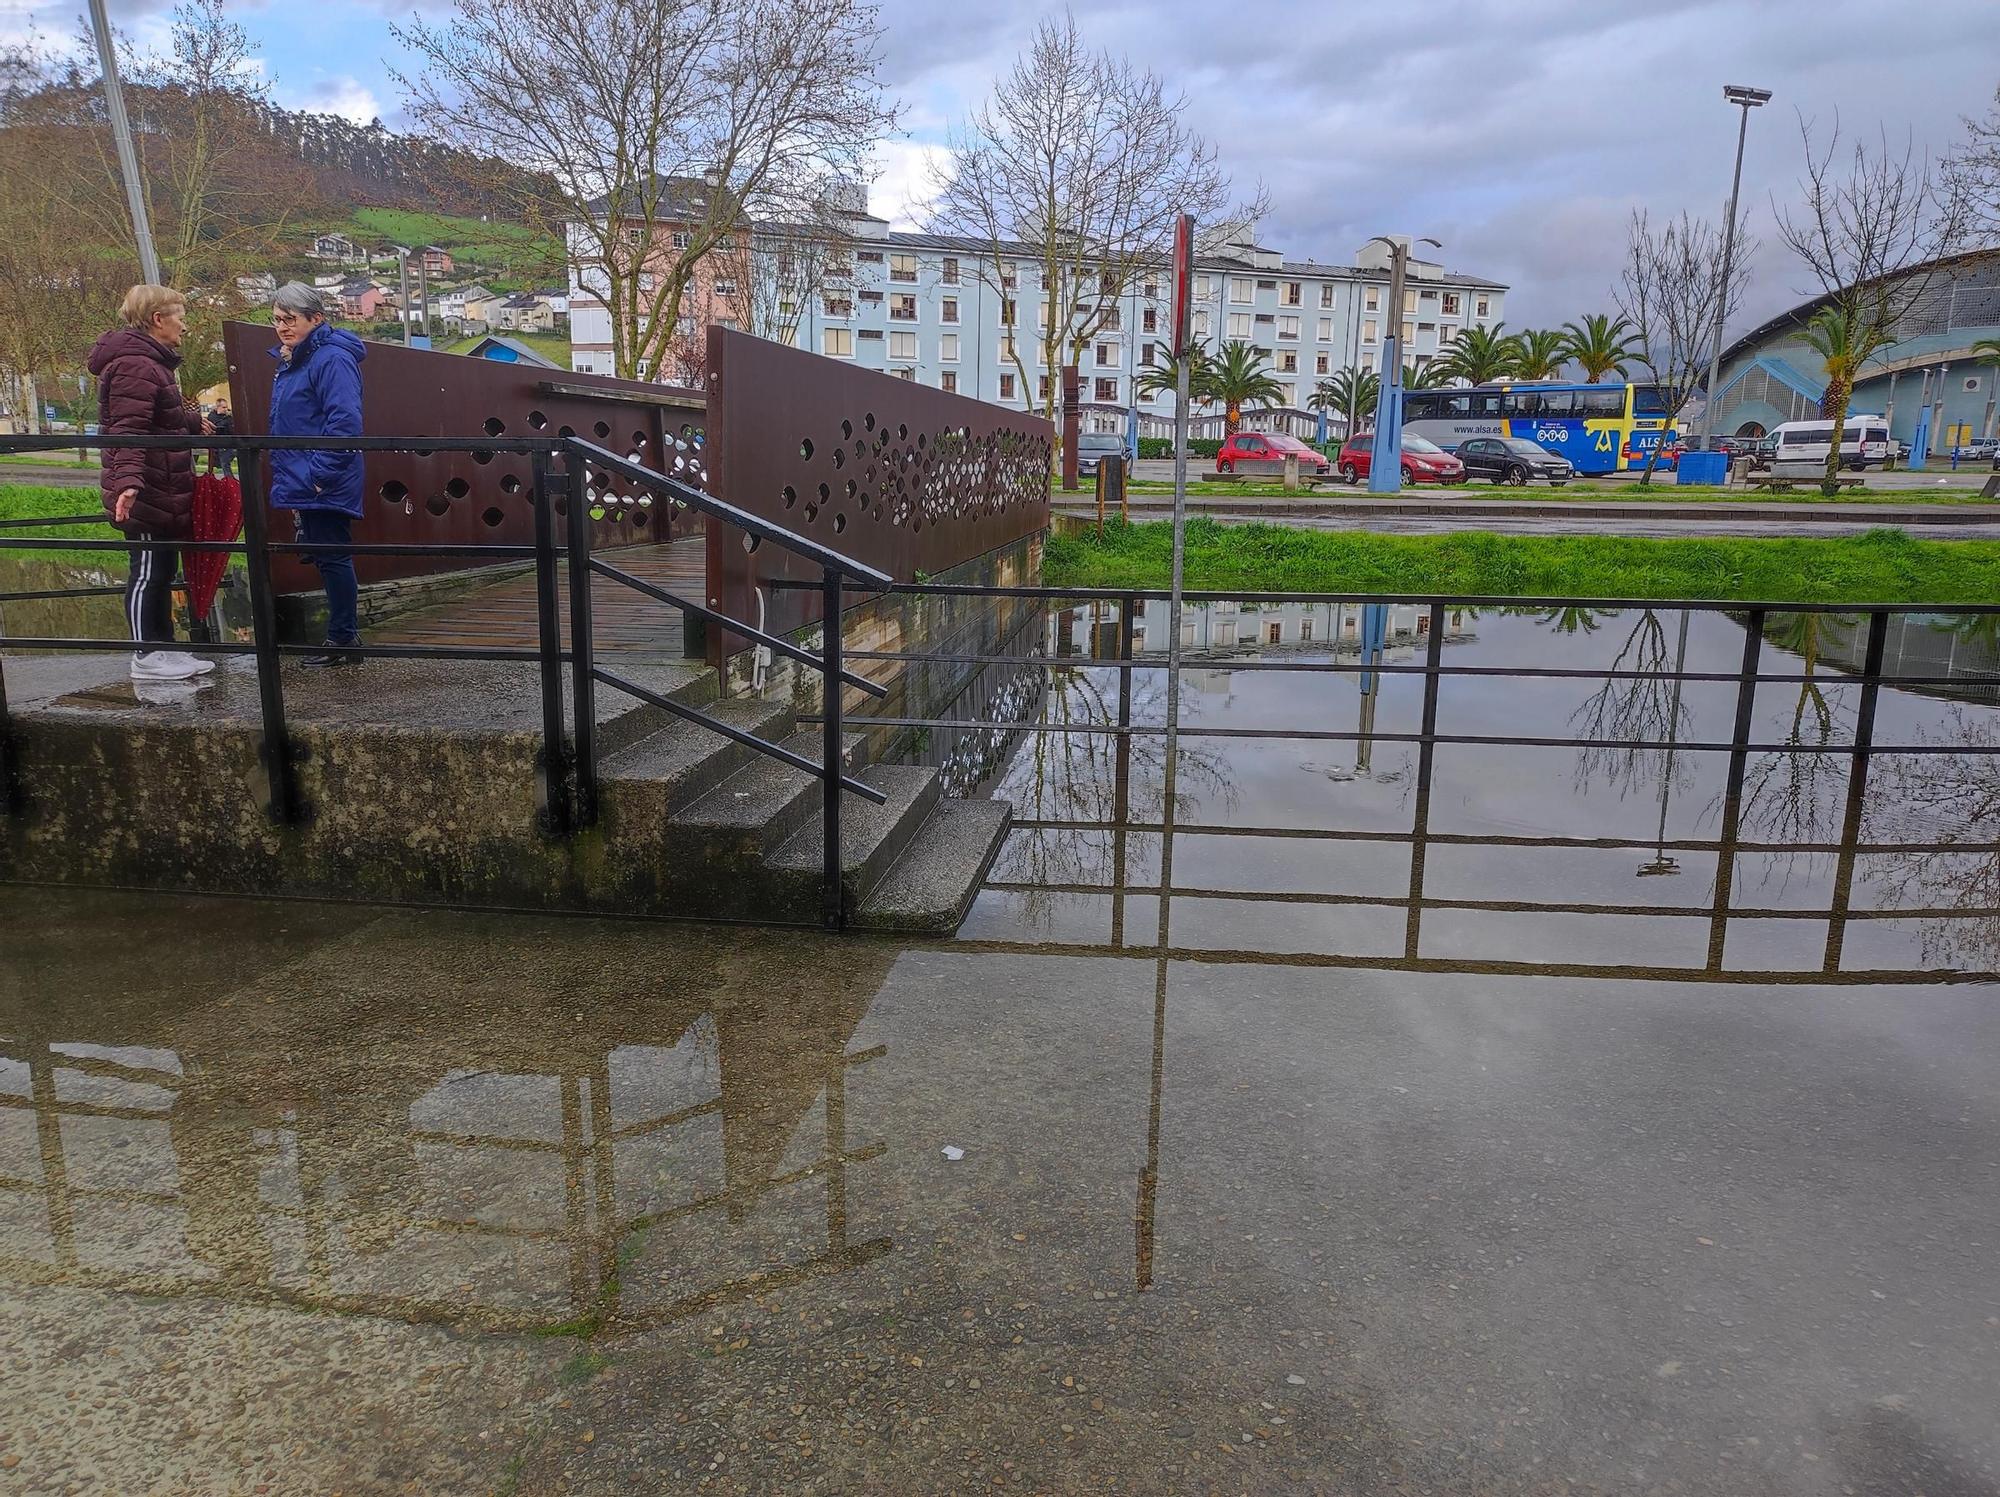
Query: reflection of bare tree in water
[
  {"x": 1067, "y": 776},
  {"x": 1951, "y": 801},
  {"x": 1625, "y": 710},
  {"x": 1794, "y": 795}
]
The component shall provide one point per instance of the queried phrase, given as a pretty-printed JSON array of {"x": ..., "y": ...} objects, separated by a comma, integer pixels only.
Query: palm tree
[
  {"x": 1238, "y": 377},
  {"x": 1482, "y": 355},
  {"x": 1844, "y": 344},
  {"x": 1430, "y": 375},
  {"x": 1989, "y": 350},
  {"x": 1601, "y": 345},
  {"x": 1352, "y": 391},
  {"x": 1543, "y": 352},
  {"x": 1164, "y": 379}
]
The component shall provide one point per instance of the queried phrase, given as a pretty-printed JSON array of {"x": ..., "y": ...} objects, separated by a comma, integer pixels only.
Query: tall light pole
[
  {"x": 121, "y": 135},
  {"x": 1385, "y": 461},
  {"x": 1746, "y": 99}
]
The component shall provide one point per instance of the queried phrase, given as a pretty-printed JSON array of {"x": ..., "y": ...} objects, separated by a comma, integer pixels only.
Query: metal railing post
[
  {"x": 555, "y": 747},
  {"x": 835, "y": 912},
  {"x": 280, "y": 768},
  {"x": 10, "y": 778},
  {"x": 583, "y": 658},
  {"x": 1420, "y": 821},
  {"x": 1121, "y": 784},
  {"x": 1857, "y": 787},
  {"x": 1732, "y": 795}
]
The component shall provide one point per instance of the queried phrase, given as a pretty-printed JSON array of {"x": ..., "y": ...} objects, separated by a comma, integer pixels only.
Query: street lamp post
[
  {"x": 121, "y": 136},
  {"x": 1385, "y": 461},
  {"x": 1746, "y": 99}
]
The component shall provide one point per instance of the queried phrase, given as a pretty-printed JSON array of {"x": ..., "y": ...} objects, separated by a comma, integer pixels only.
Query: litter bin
[{"x": 1710, "y": 468}]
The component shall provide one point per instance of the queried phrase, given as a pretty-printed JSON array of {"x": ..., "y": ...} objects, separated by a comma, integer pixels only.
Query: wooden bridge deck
[{"x": 623, "y": 621}]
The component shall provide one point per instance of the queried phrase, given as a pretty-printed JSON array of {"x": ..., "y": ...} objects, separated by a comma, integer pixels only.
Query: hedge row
[{"x": 1164, "y": 446}]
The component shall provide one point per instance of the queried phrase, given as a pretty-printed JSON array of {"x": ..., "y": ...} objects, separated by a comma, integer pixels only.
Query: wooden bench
[{"x": 1784, "y": 483}]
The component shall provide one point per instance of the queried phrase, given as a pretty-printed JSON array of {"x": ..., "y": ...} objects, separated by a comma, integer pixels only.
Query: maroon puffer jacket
[{"x": 137, "y": 396}]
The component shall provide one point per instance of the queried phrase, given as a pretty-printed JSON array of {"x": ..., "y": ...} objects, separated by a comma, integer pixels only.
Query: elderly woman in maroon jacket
[{"x": 149, "y": 492}]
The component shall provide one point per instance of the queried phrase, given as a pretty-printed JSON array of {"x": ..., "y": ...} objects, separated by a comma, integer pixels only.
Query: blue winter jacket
[{"x": 317, "y": 393}]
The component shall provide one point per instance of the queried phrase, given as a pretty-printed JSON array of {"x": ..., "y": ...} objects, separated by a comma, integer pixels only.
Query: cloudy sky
[{"x": 1521, "y": 133}]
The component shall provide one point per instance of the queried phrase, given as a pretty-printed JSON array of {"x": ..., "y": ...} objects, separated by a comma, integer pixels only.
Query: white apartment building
[{"x": 917, "y": 306}]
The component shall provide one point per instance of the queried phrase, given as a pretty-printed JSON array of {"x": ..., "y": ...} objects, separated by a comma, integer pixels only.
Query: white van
[{"x": 1864, "y": 442}]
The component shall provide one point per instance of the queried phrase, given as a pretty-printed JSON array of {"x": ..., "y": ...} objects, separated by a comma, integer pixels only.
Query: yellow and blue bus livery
[{"x": 1599, "y": 428}]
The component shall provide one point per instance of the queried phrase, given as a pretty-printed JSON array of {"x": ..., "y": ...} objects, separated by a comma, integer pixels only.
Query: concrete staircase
[{"x": 714, "y": 829}]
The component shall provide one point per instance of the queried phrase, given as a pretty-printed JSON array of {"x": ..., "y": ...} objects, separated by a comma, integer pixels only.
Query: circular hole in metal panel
[
  {"x": 458, "y": 488},
  {"x": 537, "y": 420},
  {"x": 437, "y": 504},
  {"x": 491, "y": 515},
  {"x": 495, "y": 426},
  {"x": 791, "y": 496},
  {"x": 806, "y": 449},
  {"x": 751, "y": 543},
  {"x": 511, "y": 484},
  {"x": 602, "y": 428},
  {"x": 395, "y": 492},
  {"x": 839, "y": 523}
]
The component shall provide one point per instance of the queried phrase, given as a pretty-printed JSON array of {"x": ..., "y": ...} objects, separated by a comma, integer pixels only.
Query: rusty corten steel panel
[
  {"x": 456, "y": 497},
  {"x": 892, "y": 473}
]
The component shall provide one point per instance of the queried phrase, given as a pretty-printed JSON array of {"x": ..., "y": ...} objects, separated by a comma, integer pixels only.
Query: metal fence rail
[{"x": 569, "y": 757}]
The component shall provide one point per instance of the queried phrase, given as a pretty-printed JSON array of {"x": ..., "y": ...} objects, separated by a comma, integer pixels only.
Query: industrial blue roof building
[{"x": 1770, "y": 375}]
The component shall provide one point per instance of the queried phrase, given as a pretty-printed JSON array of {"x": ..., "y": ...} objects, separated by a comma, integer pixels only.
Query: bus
[{"x": 1599, "y": 428}]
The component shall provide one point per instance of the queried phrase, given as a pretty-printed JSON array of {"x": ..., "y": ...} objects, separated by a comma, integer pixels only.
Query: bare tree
[
  {"x": 1079, "y": 166},
  {"x": 1671, "y": 292},
  {"x": 658, "y": 129},
  {"x": 1871, "y": 227},
  {"x": 1974, "y": 170}
]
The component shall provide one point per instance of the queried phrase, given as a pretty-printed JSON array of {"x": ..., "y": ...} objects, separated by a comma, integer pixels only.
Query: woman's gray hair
[{"x": 299, "y": 299}]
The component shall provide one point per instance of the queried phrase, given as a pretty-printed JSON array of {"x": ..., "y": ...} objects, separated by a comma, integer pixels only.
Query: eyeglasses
[{"x": 285, "y": 319}]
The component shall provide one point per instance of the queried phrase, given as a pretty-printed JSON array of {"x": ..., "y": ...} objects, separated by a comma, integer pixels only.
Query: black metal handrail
[{"x": 569, "y": 761}]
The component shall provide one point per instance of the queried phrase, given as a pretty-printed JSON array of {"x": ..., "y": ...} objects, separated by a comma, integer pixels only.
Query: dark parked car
[
  {"x": 1764, "y": 455},
  {"x": 1423, "y": 461},
  {"x": 1513, "y": 460},
  {"x": 1092, "y": 445}
]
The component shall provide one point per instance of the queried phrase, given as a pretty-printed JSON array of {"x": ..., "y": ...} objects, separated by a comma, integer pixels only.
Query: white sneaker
[{"x": 168, "y": 665}]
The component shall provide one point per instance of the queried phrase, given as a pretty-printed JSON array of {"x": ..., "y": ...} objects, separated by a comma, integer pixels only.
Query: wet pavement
[{"x": 1434, "y": 1139}]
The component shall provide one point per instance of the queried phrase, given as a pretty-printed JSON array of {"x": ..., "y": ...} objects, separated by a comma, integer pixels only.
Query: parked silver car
[{"x": 1092, "y": 445}]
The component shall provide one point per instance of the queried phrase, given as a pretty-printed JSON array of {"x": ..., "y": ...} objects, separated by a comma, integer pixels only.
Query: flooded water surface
[{"x": 1458, "y": 1126}]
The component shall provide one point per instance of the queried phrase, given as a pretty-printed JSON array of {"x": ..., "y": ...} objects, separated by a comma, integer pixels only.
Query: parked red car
[
  {"x": 1265, "y": 452},
  {"x": 1423, "y": 460}
]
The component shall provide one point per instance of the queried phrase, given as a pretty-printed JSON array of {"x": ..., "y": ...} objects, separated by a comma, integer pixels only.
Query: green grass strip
[{"x": 1877, "y": 566}]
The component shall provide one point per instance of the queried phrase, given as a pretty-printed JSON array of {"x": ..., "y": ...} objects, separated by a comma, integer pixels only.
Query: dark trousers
[
  {"x": 336, "y": 571},
  {"x": 149, "y": 593}
]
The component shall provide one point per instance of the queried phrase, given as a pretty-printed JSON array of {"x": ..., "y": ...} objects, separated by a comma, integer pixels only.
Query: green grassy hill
[{"x": 515, "y": 254}]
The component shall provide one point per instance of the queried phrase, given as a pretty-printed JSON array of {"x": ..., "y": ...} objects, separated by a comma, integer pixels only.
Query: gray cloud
[{"x": 1522, "y": 134}]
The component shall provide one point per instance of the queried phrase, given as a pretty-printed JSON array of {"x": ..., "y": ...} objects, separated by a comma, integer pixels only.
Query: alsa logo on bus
[{"x": 1599, "y": 428}]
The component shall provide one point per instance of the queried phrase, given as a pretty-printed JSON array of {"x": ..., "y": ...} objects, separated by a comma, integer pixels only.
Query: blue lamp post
[{"x": 1385, "y": 462}]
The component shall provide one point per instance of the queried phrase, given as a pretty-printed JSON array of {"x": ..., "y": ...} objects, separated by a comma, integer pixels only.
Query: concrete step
[
  {"x": 623, "y": 720},
  {"x": 928, "y": 890},
  {"x": 684, "y": 760},
  {"x": 871, "y": 836}
]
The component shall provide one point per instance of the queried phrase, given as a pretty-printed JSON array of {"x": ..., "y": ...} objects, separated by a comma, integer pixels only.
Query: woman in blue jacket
[{"x": 317, "y": 393}]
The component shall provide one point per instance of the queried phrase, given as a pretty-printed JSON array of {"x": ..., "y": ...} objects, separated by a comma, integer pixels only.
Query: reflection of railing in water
[{"x": 307, "y": 1205}]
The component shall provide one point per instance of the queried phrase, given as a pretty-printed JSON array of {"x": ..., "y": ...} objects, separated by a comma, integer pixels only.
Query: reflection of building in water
[
  {"x": 1250, "y": 628},
  {"x": 497, "y": 1180},
  {"x": 1962, "y": 646}
]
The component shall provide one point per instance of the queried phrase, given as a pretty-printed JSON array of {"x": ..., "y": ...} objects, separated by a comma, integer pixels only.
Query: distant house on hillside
[
  {"x": 364, "y": 301},
  {"x": 465, "y": 303},
  {"x": 523, "y": 312},
  {"x": 507, "y": 351},
  {"x": 558, "y": 299},
  {"x": 338, "y": 248},
  {"x": 436, "y": 261}
]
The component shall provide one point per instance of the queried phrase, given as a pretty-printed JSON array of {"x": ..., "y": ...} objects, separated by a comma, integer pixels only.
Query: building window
[
  {"x": 1326, "y": 330},
  {"x": 1370, "y": 330},
  {"x": 1447, "y": 335},
  {"x": 1288, "y": 361},
  {"x": 869, "y": 257},
  {"x": 1239, "y": 325},
  {"x": 903, "y": 307},
  {"x": 948, "y": 381},
  {"x": 1326, "y": 297},
  {"x": 1288, "y": 327},
  {"x": 838, "y": 306},
  {"x": 1149, "y": 320},
  {"x": 1449, "y": 304},
  {"x": 1322, "y": 364},
  {"x": 1146, "y": 355},
  {"x": 1010, "y": 278},
  {"x": 1201, "y": 322},
  {"x": 902, "y": 345},
  {"x": 1374, "y": 298},
  {"x": 1267, "y": 285},
  {"x": 1151, "y": 290},
  {"x": 1368, "y": 362},
  {"x": 948, "y": 309},
  {"x": 837, "y": 342},
  {"x": 1006, "y": 347},
  {"x": 1112, "y": 321},
  {"x": 632, "y": 234},
  {"x": 1204, "y": 287},
  {"x": 1008, "y": 311},
  {"x": 871, "y": 335},
  {"x": 1409, "y": 333},
  {"x": 1106, "y": 391},
  {"x": 1006, "y": 386},
  {"x": 948, "y": 273},
  {"x": 1275, "y": 632},
  {"x": 1479, "y": 307},
  {"x": 947, "y": 348},
  {"x": 872, "y": 297},
  {"x": 680, "y": 239},
  {"x": 902, "y": 267},
  {"x": 1288, "y": 395},
  {"x": 905, "y": 373},
  {"x": 1305, "y": 629},
  {"x": 1107, "y": 356},
  {"x": 1293, "y": 292},
  {"x": 1242, "y": 290},
  {"x": 643, "y": 368},
  {"x": 725, "y": 288},
  {"x": 1042, "y": 388}
]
